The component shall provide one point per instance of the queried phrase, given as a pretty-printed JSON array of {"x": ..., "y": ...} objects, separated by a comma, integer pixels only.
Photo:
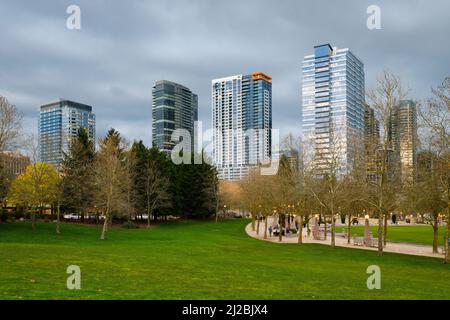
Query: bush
[
  {"x": 19, "y": 213},
  {"x": 129, "y": 225},
  {"x": 4, "y": 215}
]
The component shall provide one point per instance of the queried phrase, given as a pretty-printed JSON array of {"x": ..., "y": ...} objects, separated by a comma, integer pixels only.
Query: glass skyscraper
[
  {"x": 403, "y": 138},
  {"x": 58, "y": 123},
  {"x": 242, "y": 123},
  {"x": 332, "y": 106},
  {"x": 174, "y": 107}
]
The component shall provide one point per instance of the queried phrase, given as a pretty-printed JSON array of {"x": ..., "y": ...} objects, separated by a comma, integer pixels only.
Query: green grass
[
  {"x": 201, "y": 260},
  {"x": 410, "y": 234}
]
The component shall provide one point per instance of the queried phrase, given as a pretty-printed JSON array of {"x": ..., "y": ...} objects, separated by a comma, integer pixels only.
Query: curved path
[{"x": 400, "y": 247}]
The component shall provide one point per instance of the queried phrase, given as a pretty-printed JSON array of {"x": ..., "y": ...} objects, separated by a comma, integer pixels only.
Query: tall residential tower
[
  {"x": 403, "y": 137},
  {"x": 59, "y": 122},
  {"x": 332, "y": 107},
  {"x": 174, "y": 107},
  {"x": 242, "y": 123}
]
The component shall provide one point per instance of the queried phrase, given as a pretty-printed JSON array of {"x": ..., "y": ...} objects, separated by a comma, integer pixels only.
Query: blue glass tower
[
  {"x": 58, "y": 124},
  {"x": 332, "y": 106}
]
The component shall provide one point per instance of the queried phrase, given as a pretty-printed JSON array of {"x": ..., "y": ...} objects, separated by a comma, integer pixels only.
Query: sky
[{"x": 123, "y": 47}]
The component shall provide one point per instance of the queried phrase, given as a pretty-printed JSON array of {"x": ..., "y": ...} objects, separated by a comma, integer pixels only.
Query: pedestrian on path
[{"x": 270, "y": 231}]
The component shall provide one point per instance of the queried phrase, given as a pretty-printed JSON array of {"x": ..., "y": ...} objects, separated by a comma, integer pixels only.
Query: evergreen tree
[{"x": 77, "y": 172}]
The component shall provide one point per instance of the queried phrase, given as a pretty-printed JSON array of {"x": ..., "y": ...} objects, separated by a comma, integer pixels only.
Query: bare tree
[
  {"x": 383, "y": 98},
  {"x": 130, "y": 177},
  {"x": 110, "y": 174},
  {"x": 10, "y": 125},
  {"x": 329, "y": 171},
  {"x": 10, "y": 131},
  {"x": 156, "y": 189},
  {"x": 251, "y": 198},
  {"x": 435, "y": 118}
]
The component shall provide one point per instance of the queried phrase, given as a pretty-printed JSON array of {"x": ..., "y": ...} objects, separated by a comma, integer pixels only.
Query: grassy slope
[
  {"x": 201, "y": 260},
  {"x": 410, "y": 234}
]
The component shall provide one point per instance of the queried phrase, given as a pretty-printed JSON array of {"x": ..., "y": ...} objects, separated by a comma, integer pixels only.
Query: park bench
[
  {"x": 341, "y": 234},
  {"x": 358, "y": 241},
  {"x": 374, "y": 242}
]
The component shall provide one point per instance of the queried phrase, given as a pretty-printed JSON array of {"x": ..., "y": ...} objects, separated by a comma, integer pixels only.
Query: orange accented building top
[{"x": 261, "y": 76}]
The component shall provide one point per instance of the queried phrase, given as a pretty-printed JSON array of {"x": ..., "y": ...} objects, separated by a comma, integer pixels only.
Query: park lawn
[
  {"x": 411, "y": 234},
  {"x": 201, "y": 260}
]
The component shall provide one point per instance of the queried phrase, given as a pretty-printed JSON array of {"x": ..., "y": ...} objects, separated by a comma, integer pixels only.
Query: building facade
[
  {"x": 403, "y": 139},
  {"x": 13, "y": 164},
  {"x": 242, "y": 123},
  {"x": 174, "y": 107},
  {"x": 59, "y": 122},
  {"x": 332, "y": 107}
]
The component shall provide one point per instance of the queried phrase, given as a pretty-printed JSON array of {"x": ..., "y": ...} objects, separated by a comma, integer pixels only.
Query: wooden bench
[
  {"x": 358, "y": 241},
  {"x": 374, "y": 242}
]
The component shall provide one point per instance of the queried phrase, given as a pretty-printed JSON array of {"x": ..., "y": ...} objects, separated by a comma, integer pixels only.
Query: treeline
[{"x": 126, "y": 182}]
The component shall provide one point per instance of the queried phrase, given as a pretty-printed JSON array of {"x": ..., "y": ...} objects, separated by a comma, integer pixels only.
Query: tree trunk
[
  {"x": 435, "y": 234},
  {"x": 349, "y": 232},
  {"x": 380, "y": 233},
  {"x": 33, "y": 219},
  {"x": 333, "y": 235},
  {"x": 217, "y": 210},
  {"x": 257, "y": 225},
  {"x": 325, "y": 229},
  {"x": 148, "y": 216},
  {"x": 58, "y": 211},
  {"x": 300, "y": 230},
  {"x": 253, "y": 222},
  {"x": 385, "y": 230},
  {"x": 280, "y": 235},
  {"x": 105, "y": 228},
  {"x": 265, "y": 228},
  {"x": 447, "y": 230}
]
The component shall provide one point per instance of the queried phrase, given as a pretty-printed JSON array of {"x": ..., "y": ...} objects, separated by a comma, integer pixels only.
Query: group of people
[{"x": 284, "y": 231}]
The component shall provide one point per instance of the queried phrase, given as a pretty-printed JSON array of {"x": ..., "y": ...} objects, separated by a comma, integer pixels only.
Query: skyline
[{"x": 112, "y": 66}]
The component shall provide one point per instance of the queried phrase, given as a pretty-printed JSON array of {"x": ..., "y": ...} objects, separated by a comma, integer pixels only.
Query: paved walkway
[{"x": 403, "y": 248}]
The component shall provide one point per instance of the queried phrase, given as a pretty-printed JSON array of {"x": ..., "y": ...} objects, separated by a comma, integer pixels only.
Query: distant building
[
  {"x": 242, "y": 123},
  {"x": 13, "y": 164},
  {"x": 403, "y": 139},
  {"x": 59, "y": 122},
  {"x": 332, "y": 107},
  {"x": 174, "y": 107}
]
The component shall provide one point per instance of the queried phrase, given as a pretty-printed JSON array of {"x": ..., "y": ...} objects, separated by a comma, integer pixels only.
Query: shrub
[
  {"x": 4, "y": 215},
  {"x": 129, "y": 225}
]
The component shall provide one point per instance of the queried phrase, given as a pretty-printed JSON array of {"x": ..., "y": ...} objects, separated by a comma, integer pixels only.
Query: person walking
[{"x": 270, "y": 231}]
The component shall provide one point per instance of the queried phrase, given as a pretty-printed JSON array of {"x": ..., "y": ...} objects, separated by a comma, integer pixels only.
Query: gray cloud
[{"x": 124, "y": 47}]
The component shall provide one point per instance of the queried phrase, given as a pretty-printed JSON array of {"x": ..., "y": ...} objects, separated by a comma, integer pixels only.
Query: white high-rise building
[
  {"x": 332, "y": 107},
  {"x": 242, "y": 123}
]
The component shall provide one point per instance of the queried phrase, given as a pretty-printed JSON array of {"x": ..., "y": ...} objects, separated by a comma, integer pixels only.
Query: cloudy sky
[{"x": 123, "y": 47}]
